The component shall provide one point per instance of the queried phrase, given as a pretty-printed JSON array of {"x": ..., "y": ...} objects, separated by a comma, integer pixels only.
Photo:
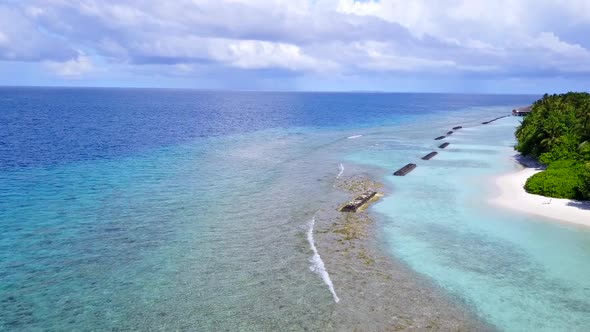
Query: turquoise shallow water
[
  {"x": 180, "y": 210},
  {"x": 519, "y": 272}
]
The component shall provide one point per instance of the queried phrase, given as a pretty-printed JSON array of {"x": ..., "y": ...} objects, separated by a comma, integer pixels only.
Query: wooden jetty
[
  {"x": 449, "y": 132},
  {"x": 439, "y": 138},
  {"x": 444, "y": 145},
  {"x": 430, "y": 155},
  {"x": 498, "y": 118},
  {"x": 457, "y": 128},
  {"x": 405, "y": 170},
  {"x": 357, "y": 203}
]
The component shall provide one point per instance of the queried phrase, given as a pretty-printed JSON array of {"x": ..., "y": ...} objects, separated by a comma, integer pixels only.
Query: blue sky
[{"x": 502, "y": 46}]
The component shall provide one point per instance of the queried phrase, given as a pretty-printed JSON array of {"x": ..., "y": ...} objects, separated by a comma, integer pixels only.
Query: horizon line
[{"x": 263, "y": 91}]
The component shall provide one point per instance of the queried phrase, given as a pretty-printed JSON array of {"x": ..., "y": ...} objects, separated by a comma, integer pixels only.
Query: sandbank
[{"x": 513, "y": 196}]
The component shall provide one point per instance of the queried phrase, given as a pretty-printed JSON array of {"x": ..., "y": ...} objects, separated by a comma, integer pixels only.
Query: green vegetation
[
  {"x": 557, "y": 133},
  {"x": 562, "y": 179}
]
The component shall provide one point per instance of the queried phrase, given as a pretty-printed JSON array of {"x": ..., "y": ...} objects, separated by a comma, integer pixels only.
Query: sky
[{"x": 502, "y": 46}]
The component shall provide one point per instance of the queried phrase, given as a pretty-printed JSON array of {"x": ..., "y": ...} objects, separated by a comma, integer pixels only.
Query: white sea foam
[
  {"x": 317, "y": 264},
  {"x": 341, "y": 167},
  {"x": 355, "y": 136}
]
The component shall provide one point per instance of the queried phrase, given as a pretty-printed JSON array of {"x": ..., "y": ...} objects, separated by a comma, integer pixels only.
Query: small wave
[
  {"x": 341, "y": 167},
  {"x": 355, "y": 136},
  {"x": 317, "y": 264}
]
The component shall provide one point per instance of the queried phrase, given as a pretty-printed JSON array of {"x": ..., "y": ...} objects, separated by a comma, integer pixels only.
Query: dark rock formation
[
  {"x": 429, "y": 156},
  {"x": 405, "y": 170}
]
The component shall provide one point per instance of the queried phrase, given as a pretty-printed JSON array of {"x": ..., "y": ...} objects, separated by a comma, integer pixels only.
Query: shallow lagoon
[
  {"x": 134, "y": 209},
  {"x": 519, "y": 272}
]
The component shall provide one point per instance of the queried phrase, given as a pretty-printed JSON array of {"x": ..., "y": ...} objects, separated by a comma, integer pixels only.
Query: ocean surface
[{"x": 139, "y": 209}]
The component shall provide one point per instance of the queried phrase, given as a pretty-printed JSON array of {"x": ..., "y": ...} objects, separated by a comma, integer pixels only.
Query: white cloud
[
  {"x": 381, "y": 57},
  {"x": 550, "y": 42},
  {"x": 475, "y": 18},
  {"x": 21, "y": 40},
  {"x": 73, "y": 68},
  {"x": 304, "y": 36},
  {"x": 415, "y": 15},
  {"x": 3, "y": 39},
  {"x": 252, "y": 54}
]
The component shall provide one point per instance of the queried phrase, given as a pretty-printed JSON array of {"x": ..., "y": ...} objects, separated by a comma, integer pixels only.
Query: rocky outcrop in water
[{"x": 357, "y": 203}]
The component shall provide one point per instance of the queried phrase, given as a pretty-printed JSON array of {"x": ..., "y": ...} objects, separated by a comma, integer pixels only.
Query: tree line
[{"x": 557, "y": 134}]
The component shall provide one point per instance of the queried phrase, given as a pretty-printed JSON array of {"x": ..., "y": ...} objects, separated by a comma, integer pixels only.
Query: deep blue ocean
[{"x": 153, "y": 209}]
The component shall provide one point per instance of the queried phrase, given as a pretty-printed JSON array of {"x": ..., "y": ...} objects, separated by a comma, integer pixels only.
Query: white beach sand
[{"x": 513, "y": 196}]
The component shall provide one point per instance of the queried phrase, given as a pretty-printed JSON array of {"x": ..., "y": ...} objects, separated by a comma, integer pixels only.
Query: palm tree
[
  {"x": 552, "y": 130},
  {"x": 584, "y": 147},
  {"x": 585, "y": 117}
]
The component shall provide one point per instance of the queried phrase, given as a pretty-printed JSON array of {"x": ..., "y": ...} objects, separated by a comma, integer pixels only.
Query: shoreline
[{"x": 513, "y": 196}]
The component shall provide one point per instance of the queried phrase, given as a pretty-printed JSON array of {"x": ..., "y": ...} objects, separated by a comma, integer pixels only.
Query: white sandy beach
[{"x": 513, "y": 196}]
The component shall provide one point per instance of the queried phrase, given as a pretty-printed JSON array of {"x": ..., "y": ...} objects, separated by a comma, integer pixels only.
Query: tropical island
[
  {"x": 557, "y": 134},
  {"x": 553, "y": 142}
]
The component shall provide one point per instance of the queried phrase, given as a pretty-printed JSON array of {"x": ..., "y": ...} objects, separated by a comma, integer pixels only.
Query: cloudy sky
[{"x": 387, "y": 45}]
